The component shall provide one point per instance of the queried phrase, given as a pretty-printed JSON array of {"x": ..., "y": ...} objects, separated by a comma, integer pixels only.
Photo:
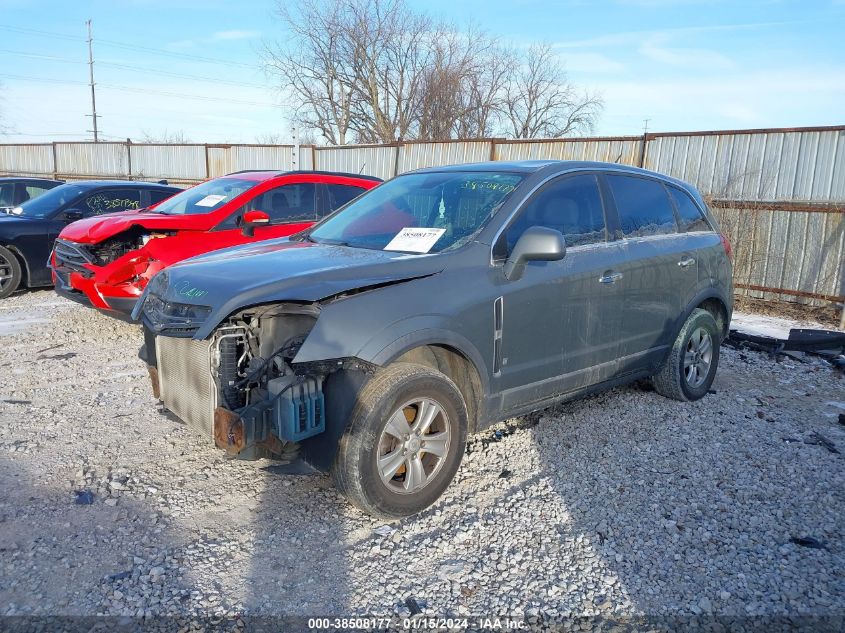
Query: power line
[
  {"x": 121, "y": 88},
  {"x": 132, "y": 68},
  {"x": 26, "y": 31},
  {"x": 133, "y": 47},
  {"x": 158, "y": 51}
]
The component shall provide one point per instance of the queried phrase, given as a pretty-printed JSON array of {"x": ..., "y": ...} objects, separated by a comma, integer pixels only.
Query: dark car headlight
[{"x": 171, "y": 318}]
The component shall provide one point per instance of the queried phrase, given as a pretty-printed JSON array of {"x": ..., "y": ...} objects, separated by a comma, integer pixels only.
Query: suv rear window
[
  {"x": 689, "y": 213},
  {"x": 643, "y": 205}
]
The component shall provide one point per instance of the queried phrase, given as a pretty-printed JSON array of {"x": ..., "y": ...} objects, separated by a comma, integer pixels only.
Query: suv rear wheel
[
  {"x": 690, "y": 367},
  {"x": 404, "y": 441}
]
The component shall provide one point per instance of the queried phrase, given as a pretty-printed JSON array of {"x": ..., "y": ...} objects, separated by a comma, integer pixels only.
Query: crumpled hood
[
  {"x": 281, "y": 270},
  {"x": 101, "y": 227}
]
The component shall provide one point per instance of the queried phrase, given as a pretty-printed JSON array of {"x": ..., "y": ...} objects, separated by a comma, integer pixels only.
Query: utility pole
[{"x": 93, "y": 114}]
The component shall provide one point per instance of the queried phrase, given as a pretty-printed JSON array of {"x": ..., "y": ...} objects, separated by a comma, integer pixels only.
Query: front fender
[
  {"x": 390, "y": 344},
  {"x": 353, "y": 336}
]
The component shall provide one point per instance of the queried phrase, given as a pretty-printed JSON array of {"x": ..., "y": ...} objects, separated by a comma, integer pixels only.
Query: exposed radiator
[{"x": 185, "y": 381}]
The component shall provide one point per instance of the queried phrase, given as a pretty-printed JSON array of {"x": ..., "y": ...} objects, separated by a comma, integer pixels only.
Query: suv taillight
[{"x": 727, "y": 246}]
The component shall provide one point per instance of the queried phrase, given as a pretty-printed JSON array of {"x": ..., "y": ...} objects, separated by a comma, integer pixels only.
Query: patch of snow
[
  {"x": 765, "y": 325},
  {"x": 15, "y": 325}
]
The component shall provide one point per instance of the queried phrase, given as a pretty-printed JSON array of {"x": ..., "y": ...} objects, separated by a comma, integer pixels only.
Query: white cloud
[
  {"x": 236, "y": 35},
  {"x": 635, "y": 38},
  {"x": 787, "y": 97},
  {"x": 689, "y": 58},
  {"x": 591, "y": 63}
]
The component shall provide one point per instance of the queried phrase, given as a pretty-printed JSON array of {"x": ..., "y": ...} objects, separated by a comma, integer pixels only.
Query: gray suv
[{"x": 434, "y": 305}]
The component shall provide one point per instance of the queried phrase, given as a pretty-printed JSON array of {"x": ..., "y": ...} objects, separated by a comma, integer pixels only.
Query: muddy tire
[
  {"x": 10, "y": 272},
  {"x": 404, "y": 441},
  {"x": 688, "y": 371}
]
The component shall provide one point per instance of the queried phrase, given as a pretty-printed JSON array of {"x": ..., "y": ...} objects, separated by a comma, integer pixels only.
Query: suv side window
[
  {"x": 688, "y": 212},
  {"x": 110, "y": 201},
  {"x": 339, "y": 195},
  {"x": 288, "y": 203},
  {"x": 571, "y": 205},
  {"x": 643, "y": 205}
]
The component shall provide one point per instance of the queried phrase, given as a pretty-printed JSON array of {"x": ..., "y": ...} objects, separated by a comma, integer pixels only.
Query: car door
[
  {"x": 656, "y": 270},
  {"x": 557, "y": 318},
  {"x": 291, "y": 207}
]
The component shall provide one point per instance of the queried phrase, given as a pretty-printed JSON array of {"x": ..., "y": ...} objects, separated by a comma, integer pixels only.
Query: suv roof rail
[{"x": 311, "y": 171}]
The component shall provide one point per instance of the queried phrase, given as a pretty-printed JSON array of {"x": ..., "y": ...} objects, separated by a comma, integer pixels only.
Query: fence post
[
  {"x": 128, "y": 144},
  {"x": 55, "y": 162},
  {"x": 396, "y": 160},
  {"x": 207, "y": 167},
  {"x": 314, "y": 158},
  {"x": 644, "y": 144}
]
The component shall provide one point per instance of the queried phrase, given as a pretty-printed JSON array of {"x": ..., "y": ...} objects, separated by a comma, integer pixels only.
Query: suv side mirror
[
  {"x": 253, "y": 219},
  {"x": 537, "y": 243},
  {"x": 72, "y": 215}
]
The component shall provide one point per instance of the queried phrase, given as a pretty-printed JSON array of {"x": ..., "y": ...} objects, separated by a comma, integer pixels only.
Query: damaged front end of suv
[
  {"x": 240, "y": 380},
  {"x": 242, "y": 386}
]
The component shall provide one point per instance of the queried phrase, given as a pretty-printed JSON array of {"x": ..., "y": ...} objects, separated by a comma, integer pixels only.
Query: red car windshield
[{"x": 206, "y": 197}]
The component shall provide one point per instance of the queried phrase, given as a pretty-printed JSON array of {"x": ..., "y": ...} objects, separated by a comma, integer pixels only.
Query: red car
[{"x": 106, "y": 260}]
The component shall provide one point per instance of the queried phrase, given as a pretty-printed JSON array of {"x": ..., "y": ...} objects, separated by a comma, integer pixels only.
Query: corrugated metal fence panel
[
  {"x": 27, "y": 160},
  {"x": 225, "y": 159},
  {"x": 173, "y": 162},
  {"x": 623, "y": 151},
  {"x": 92, "y": 159},
  {"x": 769, "y": 165},
  {"x": 372, "y": 161},
  {"x": 417, "y": 155},
  {"x": 782, "y": 249}
]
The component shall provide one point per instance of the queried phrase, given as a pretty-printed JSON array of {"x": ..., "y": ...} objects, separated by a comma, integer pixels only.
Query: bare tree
[
  {"x": 540, "y": 102},
  {"x": 306, "y": 137},
  {"x": 176, "y": 137},
  {"x": 315, "y": 66},
  {"x": 376, "y": 71}
]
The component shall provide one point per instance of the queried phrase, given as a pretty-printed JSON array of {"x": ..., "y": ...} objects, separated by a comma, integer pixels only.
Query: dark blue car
[{"x": 27, "y": 231}]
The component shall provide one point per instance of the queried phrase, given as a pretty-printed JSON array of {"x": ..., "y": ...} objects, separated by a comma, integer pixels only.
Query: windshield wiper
[{"x": 329, "y": 242}]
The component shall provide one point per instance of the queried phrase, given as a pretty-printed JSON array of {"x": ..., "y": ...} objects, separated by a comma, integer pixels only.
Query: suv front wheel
[
  {"x": 690, "y": 367},
  {"x": 404, "y": 441}
]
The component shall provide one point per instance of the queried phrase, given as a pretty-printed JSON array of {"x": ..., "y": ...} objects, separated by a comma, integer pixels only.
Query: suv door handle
[
  {"x": 610, "y": 277},
  {"x": 686, "y": 262}
]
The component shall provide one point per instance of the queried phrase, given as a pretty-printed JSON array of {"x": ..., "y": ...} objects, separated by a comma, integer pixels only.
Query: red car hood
[{"x": 101, "y": 227}]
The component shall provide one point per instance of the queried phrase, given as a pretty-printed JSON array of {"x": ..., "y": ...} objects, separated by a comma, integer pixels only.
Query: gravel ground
[{"x": 622, "y": 504}]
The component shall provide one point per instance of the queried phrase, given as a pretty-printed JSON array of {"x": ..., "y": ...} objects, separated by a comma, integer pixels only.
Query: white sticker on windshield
[
  {"x": 209, "y": 201},
  {"x": 414, "y": 240}
]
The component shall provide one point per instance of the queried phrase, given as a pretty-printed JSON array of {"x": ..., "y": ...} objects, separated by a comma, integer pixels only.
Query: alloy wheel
[{"x": 413, "y": 445}]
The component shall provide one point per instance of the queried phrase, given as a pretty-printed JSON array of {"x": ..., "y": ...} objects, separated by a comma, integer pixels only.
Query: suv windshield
[
  {"x": 205, "y": 197},
  {"x": 419, "y": 213},
  {"x": 48, "y": 202}
]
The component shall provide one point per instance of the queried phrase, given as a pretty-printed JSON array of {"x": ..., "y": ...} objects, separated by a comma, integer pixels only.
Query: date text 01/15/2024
[{"x": 418, "y": 623}]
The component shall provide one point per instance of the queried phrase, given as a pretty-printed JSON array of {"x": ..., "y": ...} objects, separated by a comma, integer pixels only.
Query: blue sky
[{"x": 683, "y": 64}]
